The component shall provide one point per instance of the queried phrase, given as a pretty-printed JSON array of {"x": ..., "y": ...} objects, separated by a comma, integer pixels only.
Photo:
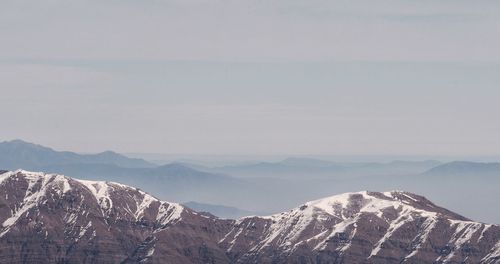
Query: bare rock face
[
  {"x": 48, "y": 218},
  {"x": 56, "y": 219}
]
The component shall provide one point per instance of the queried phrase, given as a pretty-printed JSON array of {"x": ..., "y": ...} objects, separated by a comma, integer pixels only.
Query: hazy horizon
[
  {"x": 259, "y": 78},
  {"x": 235, "y": 159}
]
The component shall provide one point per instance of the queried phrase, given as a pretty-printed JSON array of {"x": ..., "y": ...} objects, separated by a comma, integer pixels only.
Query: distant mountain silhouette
[
  {"x": 315, "y": 168},
  {"x": 465, "y": 167},
  {"x": 221, "y": 211},
  {"x": 272, "y": 186},
  {"x": 172, "y": 181},
  {"x": 20, "y": 154},
  {"x": 175, "y": 181},
  {"x": 307, "y": 162}
]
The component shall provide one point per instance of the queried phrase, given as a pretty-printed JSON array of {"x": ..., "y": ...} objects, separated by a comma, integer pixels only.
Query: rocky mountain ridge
[{"x": 57, "y": 219}]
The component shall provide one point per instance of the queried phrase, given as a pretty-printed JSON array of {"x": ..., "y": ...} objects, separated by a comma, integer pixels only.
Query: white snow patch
[
  {"x": 101, "y": 192},
  {"x": 169, "y": 213},
  {"x": 233, "y": 242},
  {"x": 340, "y": 228},
  {"x": 151, "y": 251},
  {"x": 395, "y": 225},
  {"x": 84, "y": 230},
  {"x": 494, "y": 253},
  {"x": 428, "y": 226},
  {"x": 409, "y": 197},
  {"x": 464, "y": 230},
  {"x": 146, "y": 202},
  {"x": 6, "y": 175},
  {"x": 32, "y": 196},
  {"x": 486, "y": 227},
  {"x": 66, "y": 186}
]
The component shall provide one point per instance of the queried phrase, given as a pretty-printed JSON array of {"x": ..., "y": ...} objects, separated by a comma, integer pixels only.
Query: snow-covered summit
[
  {"x": 347, "y": 204},
  {"x": 110, "y": 199},
  {"x": 342, "y": 223}
]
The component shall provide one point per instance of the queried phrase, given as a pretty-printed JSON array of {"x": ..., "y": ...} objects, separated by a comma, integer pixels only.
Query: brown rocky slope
[{"x": 50, "y": 218}]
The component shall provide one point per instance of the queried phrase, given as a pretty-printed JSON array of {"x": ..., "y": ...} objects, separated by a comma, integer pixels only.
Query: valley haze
[{"x": 252, "y": 187}]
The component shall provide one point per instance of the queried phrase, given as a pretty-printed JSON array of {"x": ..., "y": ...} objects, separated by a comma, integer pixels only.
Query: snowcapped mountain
[
  {"x": 365, "y": 227},
  {"x": 56, "y": 219},
  {"x": 49, "y": 218}
]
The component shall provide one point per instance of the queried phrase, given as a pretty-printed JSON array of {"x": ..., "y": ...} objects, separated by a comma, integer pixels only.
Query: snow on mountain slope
[
  {"x": 41, "y": 187},
  {"x": 54, "y": 218},
  {"x": 374, "y": 227}
]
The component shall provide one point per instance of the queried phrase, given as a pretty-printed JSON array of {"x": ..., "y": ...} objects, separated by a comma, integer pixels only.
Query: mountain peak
[
  {"x": 108, "y": 153},
  {"x": 38, "y": 188},
  {"x": 56, "y": 217},
  {"x": 342, "y": 226},
  {"x": 21, "y": 154},
  {"x": 378, "y": 203},
  {"x": 19, "y": 143}
]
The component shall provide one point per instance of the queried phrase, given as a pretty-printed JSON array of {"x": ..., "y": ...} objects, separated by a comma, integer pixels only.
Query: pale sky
[{"x": 388, "y": 77}]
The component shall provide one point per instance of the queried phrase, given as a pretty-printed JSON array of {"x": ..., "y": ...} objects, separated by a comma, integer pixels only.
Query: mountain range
[
  {"x": 17, "y": 154},
  {"x": 50, "y": 218},
  {"x": 171, "y": 181},
  {"x": 319, "y": 169},
  {"x": 466, "y": 168},
  {"x": 281, "y": 186}
]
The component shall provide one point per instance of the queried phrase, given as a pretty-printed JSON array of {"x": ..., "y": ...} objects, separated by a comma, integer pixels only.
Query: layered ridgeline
[
  {"x": 20, "y": 154},
  {"x": 47, "y": 218}
]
